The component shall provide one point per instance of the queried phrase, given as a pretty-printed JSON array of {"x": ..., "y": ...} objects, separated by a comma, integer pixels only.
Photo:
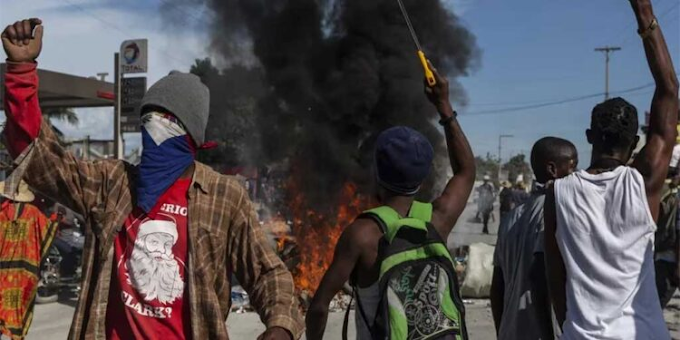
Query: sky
[{"x": 534, "y": 52}]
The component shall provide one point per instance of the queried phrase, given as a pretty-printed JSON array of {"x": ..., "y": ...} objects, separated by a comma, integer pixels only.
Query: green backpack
[{"x": 418, "y": 284}]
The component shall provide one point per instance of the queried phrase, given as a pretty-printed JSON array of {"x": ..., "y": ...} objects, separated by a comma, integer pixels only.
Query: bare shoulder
[{"x": 363, "y": 232}]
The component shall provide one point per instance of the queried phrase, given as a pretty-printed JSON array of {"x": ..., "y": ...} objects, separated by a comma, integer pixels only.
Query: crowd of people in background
[{"x": 509, "y": 197}]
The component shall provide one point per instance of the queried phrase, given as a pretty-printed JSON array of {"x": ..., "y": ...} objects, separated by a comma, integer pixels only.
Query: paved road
[
  {"x": 467, "y": 231},
  {"x": 52, "y": 321}
]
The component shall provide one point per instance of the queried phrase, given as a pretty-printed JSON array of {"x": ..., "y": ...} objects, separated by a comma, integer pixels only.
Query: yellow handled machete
[{"x": 421, "y": 55}]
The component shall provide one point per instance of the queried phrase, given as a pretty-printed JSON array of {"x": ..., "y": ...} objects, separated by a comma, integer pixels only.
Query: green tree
[
  {"x": 517, "y": 165},
  {"x": 487, "y": 166},
  {"x": 62, "y": 113}
]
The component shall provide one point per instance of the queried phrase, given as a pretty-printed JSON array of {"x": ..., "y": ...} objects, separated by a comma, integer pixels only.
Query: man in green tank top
[{"x": 403, "y": 159}]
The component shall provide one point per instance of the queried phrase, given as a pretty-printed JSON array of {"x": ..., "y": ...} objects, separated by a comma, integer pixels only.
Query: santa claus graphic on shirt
[{"x": 153, "y": 270}]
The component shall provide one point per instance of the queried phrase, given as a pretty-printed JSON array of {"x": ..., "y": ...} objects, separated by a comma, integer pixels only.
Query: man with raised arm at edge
[
  {"x": 162, "y": 239},
  {"x": 600, "y": 222},
  {"x": 403, "y": 158}
]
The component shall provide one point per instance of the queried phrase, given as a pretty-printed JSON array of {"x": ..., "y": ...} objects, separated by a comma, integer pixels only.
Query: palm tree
[{"x": 62, "y": 113}]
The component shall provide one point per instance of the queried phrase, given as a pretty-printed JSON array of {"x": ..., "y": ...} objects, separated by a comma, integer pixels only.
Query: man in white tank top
[
  {"x": 403, "y": 159},
  {"x": 600, "y": 222}
]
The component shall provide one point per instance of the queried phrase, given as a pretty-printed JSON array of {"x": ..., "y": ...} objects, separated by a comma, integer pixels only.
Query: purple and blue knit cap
[{"x": 403, "y": 159}]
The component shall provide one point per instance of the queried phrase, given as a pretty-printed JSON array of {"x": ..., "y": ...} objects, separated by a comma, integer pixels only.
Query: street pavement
[
  {"x": 467, "y": 231},
  {"x": 52, "y": 321}
]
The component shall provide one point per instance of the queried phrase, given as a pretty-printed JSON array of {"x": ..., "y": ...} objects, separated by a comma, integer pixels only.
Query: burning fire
[
  {"x": 280, "y": 230},
  {"x": 307, "y": 242},
  {"x": 317, "y": 234}
]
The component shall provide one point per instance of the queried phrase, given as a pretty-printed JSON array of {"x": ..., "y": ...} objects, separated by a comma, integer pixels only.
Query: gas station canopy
[{"x": 61, "y": 90}]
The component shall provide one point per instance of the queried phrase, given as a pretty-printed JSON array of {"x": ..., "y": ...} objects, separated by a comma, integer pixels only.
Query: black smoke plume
[{"x": 330, "y": 76}]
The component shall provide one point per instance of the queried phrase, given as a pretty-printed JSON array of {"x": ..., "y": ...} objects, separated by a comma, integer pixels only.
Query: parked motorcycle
[
  {"x": 60, "y": 270},
  {"x": 48, "y": 283}
]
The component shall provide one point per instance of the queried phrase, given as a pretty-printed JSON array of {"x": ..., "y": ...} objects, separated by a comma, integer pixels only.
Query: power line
[
  {"x": 124, "y": 33},
  {"x": 629, "y": 27},
  {"x": 672, "y": 19},
  {"x": 670, "y": 10},
  {"x": 194, "y": 15},
  {"x": 554, "y": 103},
  {"x": 637, "y": 94},
  {"x": 530, "y": 104},
  {"x": 543, "y": 103},
  {"x": 106, "y": 22}
]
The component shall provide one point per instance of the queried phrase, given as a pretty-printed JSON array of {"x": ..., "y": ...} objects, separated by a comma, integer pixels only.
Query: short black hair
[
  {"x": 550, "y": 149},
  {"x": 614, "y": 124}
]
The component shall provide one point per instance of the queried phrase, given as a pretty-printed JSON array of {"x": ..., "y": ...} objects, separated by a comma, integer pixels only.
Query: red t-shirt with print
[
  {"x": 148, "y": 295},
  {"x": 148, "y": 299}
]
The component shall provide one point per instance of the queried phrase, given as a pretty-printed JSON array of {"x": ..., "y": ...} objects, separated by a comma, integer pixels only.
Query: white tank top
[
  {"x": 370, "y": 298},
  {"x": 605, "y": 234}
]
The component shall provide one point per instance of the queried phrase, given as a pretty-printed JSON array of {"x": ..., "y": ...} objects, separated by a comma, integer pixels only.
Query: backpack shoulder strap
[
  {"x": 421, "y": 211},
  {"x": 384, "y": 216},
  {"x": 392, "y": 222},
  {"x": 345, "y": 323},
  {"x": 358, "y": 306}
]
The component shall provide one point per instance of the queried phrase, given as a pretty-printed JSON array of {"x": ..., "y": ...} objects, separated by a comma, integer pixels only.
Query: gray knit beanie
[{"x": 185, "y": 96}]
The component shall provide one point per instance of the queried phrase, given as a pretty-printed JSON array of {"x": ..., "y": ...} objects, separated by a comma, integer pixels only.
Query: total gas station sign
[{"x": 134, "y": 56}]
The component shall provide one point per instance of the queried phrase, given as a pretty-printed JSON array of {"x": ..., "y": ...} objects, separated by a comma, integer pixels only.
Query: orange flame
[
  {"x": 281, "y": 243},
  {"x": 280, "y": 230},
  {"x": 317, "y": 234}
]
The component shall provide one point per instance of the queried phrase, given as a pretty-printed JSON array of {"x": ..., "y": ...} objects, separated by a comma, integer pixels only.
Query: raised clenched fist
[
  {"x": 22, "y": 41},
  {"x": 439, "y": 93}
]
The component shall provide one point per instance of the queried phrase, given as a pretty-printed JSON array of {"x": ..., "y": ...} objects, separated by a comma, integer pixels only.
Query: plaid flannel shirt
[{"x": 224, "y": 237}]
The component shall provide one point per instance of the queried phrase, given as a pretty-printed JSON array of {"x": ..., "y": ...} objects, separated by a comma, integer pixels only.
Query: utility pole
[
  {"x": 86, "y": 154},
  {"x": 116, "y": 108},
  {"x": 500, "y": 146},
  {"x": 607, "y": 50}
]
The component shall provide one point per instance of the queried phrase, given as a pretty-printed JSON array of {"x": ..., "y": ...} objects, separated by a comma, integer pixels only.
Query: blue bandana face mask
[{"x": 167, "y": 153}]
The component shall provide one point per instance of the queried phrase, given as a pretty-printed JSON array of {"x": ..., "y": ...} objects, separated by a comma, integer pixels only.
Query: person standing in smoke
[
  {"x": 485, "y": 202},
  {"x": 403, "y": 159},
  {"x": 162, "y": 239},
  {"x": 600, "y": 222},
  {"x": 505, "y": 200}
]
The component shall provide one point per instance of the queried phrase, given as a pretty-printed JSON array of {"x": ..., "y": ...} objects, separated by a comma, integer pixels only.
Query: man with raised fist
[
  {"x": 163, "y": 238},
  {"x": 600, "y": 222}
]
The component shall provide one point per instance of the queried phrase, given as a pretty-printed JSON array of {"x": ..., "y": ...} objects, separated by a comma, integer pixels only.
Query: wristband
[
  {"x": 449, "y": 119},
  {"x": 644, "y": 34}
]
